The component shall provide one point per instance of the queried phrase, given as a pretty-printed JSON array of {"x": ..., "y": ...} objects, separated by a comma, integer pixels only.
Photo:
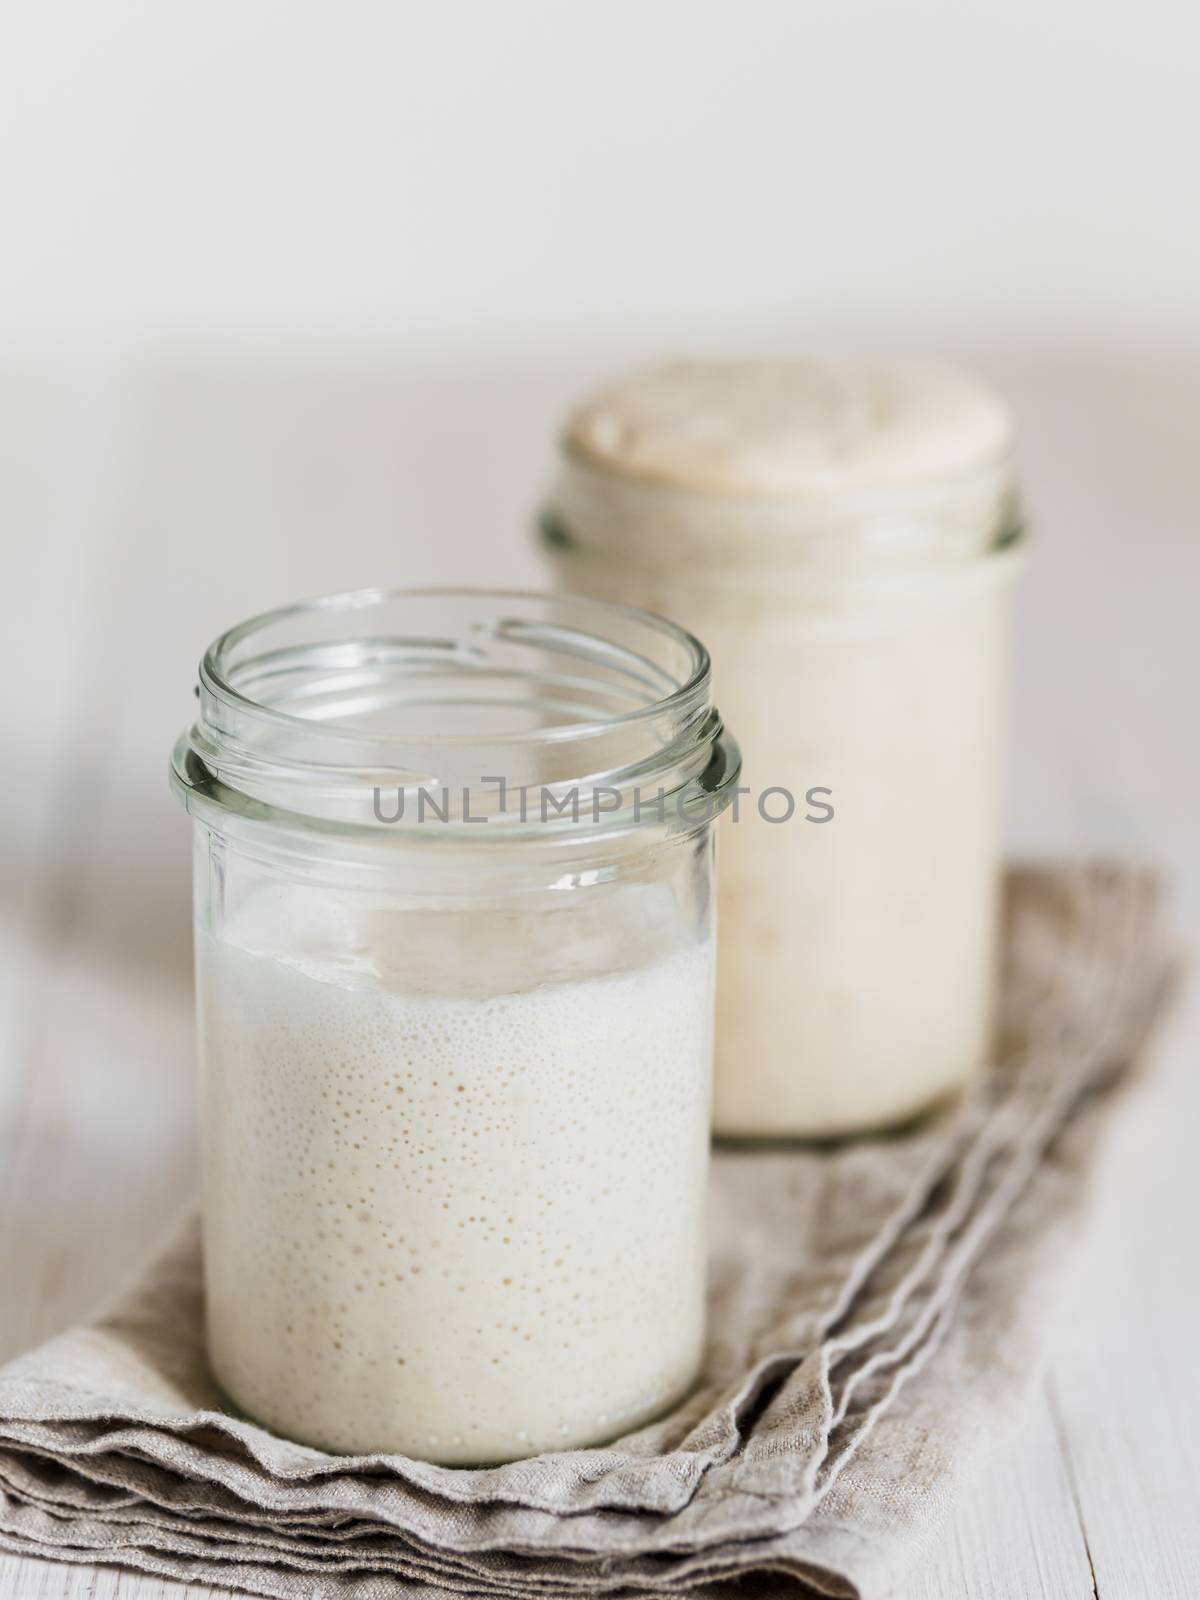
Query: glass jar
[
  {"x": 453, "y": 900},
  {"x": 843, "y": 535}
]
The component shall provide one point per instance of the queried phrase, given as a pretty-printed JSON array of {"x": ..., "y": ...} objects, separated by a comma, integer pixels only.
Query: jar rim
[
  {"x": 952, "y": 520},
  {"x": 816, "y": 497},
  {"x": 212, "y": 671},
  {"x": 308, "y": 707}
]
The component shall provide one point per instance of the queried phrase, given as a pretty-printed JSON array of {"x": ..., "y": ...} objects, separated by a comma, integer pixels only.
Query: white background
[{"x": 464, "y": 173}]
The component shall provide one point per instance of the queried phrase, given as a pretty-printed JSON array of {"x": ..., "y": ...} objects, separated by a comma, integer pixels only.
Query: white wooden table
[{"x": 140, "y": 511}]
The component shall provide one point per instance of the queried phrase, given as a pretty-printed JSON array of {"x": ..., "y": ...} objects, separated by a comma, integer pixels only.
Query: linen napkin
[{"x": 876, "y": 1314}]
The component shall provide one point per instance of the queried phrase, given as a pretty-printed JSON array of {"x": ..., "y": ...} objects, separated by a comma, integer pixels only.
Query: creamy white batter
[
  {"x": 454, "y": 1171},
  {"x": 791, "y": 428}
]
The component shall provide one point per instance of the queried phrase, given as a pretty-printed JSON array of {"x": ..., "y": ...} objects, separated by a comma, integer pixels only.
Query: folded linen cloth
[{"x": 876, "y": 1314}]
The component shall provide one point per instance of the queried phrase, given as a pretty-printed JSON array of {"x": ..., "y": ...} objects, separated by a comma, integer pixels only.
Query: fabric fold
[{"x": 876, "y": 1314}]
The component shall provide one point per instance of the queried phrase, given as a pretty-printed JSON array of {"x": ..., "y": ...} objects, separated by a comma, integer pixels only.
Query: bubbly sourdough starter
[
  {"x": 790, "y": 429},
  {"x": 452, "y": 1210},
  {"x": 857, "y": 644}
]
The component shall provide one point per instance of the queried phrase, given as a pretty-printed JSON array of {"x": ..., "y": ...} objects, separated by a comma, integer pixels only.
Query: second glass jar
[{"x": 844, "y": 536}]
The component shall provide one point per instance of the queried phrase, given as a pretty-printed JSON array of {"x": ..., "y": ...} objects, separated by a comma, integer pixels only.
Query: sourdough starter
[
  {"x": 454, "y": 1171},
  {"x": 830, "y": 530}
]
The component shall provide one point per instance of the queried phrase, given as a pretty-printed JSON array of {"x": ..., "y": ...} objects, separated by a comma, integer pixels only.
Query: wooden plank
[
  {"x": 56, "y": 431},
  {"x": 1015, "y": 1535},
  {"x": 85, "y": 1089},
  {"x": 1125, "y": 1385},
  {"x": 22, "y": 1578}
]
